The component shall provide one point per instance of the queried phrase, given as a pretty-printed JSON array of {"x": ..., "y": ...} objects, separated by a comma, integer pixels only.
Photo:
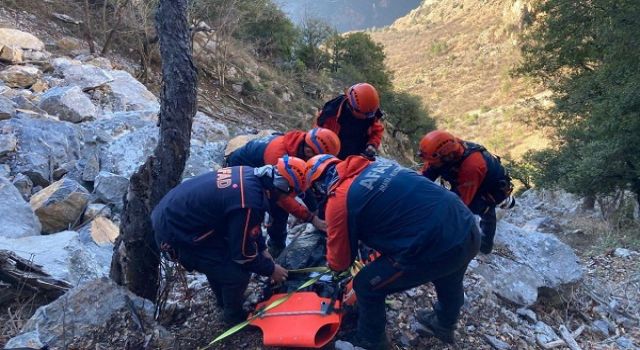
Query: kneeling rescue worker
[
  {"x": 474, "y": 174},
  {"x": 211, "y": 224},
  {"x": 422, "y": 231},
  {"x": 267, "y": 150}
]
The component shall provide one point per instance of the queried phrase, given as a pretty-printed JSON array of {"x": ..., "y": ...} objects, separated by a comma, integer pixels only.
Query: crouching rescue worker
[
  {"x": 355, "y": 118},
  {"x": 474, "y": 174},
  {"x": 267, "y": 150},
  {"x": 422, "y": 231},
  {"x": 211, "y": 224}
]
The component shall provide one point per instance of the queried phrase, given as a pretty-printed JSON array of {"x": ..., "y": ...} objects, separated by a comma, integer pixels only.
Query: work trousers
[{"x": 488, "y": 221}]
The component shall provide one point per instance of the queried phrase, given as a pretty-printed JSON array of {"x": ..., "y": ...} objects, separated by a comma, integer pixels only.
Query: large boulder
[
  {"x": 44, "y": 143},
  {"x": 124, "y": 140},
  {"x": 7, "y": 108},
  {"x": 11, "y": 54},
  {"x": 60, "y": 205},
  {"x": 8, "y": 143},
  {"x": 18, "y": 38},
  {"x": 17, "y": 219},
  {"x": 63, "y": 255},
  {"x": 525, "y": 263},
  {"x": 128, "y": 94},
  {"x": 20, "y": 76},
  {"x": 68, "y": 103},
  {"x": 100, "y": 230},
  {"x": 110, "y": 188},
  {"x": 88, "y": 311},
  {"x": 86, "y": 76}
]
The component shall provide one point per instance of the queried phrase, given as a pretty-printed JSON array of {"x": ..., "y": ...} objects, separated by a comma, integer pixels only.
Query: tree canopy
[{"x": 587, "y": 53}]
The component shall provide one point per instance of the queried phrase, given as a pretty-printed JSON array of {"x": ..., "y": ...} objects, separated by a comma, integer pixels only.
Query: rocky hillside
[
  {"x": 348, "y": 15},
  {"x": 72, "y": 131},
  {"x": 457, "y": 56}
]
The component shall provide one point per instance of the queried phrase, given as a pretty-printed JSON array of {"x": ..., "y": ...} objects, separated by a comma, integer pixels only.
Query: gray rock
[
  {"x": 124, "y": 140},
  {"x": 624, "y": 253},
  {"x": 63, "y": 255},
  {"x": 44, "y": 144},
  {"x": 59, "y": 64},
  {"x": 24, "y": 185},
  {"x": 206, "y": 129},
  {"x": 544, "y": 333},
  {"x": 17, "y": 219},
  {"x": 86, "y": 76},
  {"x": 527, "y": 314},
  {"x": 625, "y": 343},
  {"x": 601, "y": 326},
  {"x": 60, "y": 205},
  {"x": 128, "y": 94},
  {"x": 68, "y": 103},
  {"x": 7, "y": 108},
  {"x": 111, "y": 188},
  {"x": 8, "y": 143},
  {"x": 91, "y": 167},
  {"x": 96, "y": 209},
  {"x": 64, "y": 169},
  {"x": 20, "y": 76},
  {"x": 83, "y": 309},
  {"x": 5, "y": 170},
  {"x": 496, "y": 343},
  {"x": 535, "y": 260},
  {"x": 344, "y": 345},
  {"x": 36, "y": 55}
]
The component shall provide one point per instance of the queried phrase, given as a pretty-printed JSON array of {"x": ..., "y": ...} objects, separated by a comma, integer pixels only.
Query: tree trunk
[
  {"x": 135, "y": 260},
  {"x": 88, "y": 33}
]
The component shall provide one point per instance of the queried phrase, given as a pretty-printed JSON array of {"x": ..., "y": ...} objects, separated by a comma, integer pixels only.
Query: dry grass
[{"x": 457, "y": 57}]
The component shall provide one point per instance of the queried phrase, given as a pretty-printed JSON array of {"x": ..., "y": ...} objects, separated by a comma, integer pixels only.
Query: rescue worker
[
  {"x": 473, "y": 173},
  {"x": 212, "y": 224},
  {"x": 422, "y": 231},
  {"x": 355, "y": 118},
  {"x": 267, "y": 150}
]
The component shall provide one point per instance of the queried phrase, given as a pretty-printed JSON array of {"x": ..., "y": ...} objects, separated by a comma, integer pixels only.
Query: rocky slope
[
  {"x": 457, "y": 55},
  {"x": 74, "y": 129}
]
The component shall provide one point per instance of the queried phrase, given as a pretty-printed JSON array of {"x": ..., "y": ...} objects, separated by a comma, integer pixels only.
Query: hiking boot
[
  {"x": 432, "y": 328},
  {"x": 367, "y": 344},
  {"x": 486, "y": 246},
  {"x": 232, "y": 318}
]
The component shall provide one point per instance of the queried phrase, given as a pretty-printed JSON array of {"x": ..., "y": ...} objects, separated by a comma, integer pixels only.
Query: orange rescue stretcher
[{"x": 304, "y": 320}]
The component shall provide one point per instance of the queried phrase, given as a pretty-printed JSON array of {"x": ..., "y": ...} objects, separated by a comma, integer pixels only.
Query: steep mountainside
[
  {"x": 348, "y": 15},
  {"x": 457, "y": 54}
]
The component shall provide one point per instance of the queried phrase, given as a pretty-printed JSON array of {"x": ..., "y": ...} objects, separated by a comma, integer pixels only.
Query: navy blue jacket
[
  {"x": 393, "y": 210},
  {"x": 220, "y": 212}
]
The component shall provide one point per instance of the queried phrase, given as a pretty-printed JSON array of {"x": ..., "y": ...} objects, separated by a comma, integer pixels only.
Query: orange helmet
[
  {"x": 294, "y": 171},
  {"x": 364, "y": 100},
  {"x": 322, "y": 141},
  {"x": 317, "y": 165},
  {"x": 439, "y": 145}
]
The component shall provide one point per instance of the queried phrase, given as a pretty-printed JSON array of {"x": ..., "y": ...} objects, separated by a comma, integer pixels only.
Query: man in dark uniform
[
  {"x": 211, "y": 224},
  {"x": 422, "y": 231}
]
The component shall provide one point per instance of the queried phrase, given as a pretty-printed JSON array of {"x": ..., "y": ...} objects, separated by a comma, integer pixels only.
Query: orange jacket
[
  {"x": 291, "y": 144},
  {"x": 470, "y": 175},
  {"x": 338, "y": 242}
]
